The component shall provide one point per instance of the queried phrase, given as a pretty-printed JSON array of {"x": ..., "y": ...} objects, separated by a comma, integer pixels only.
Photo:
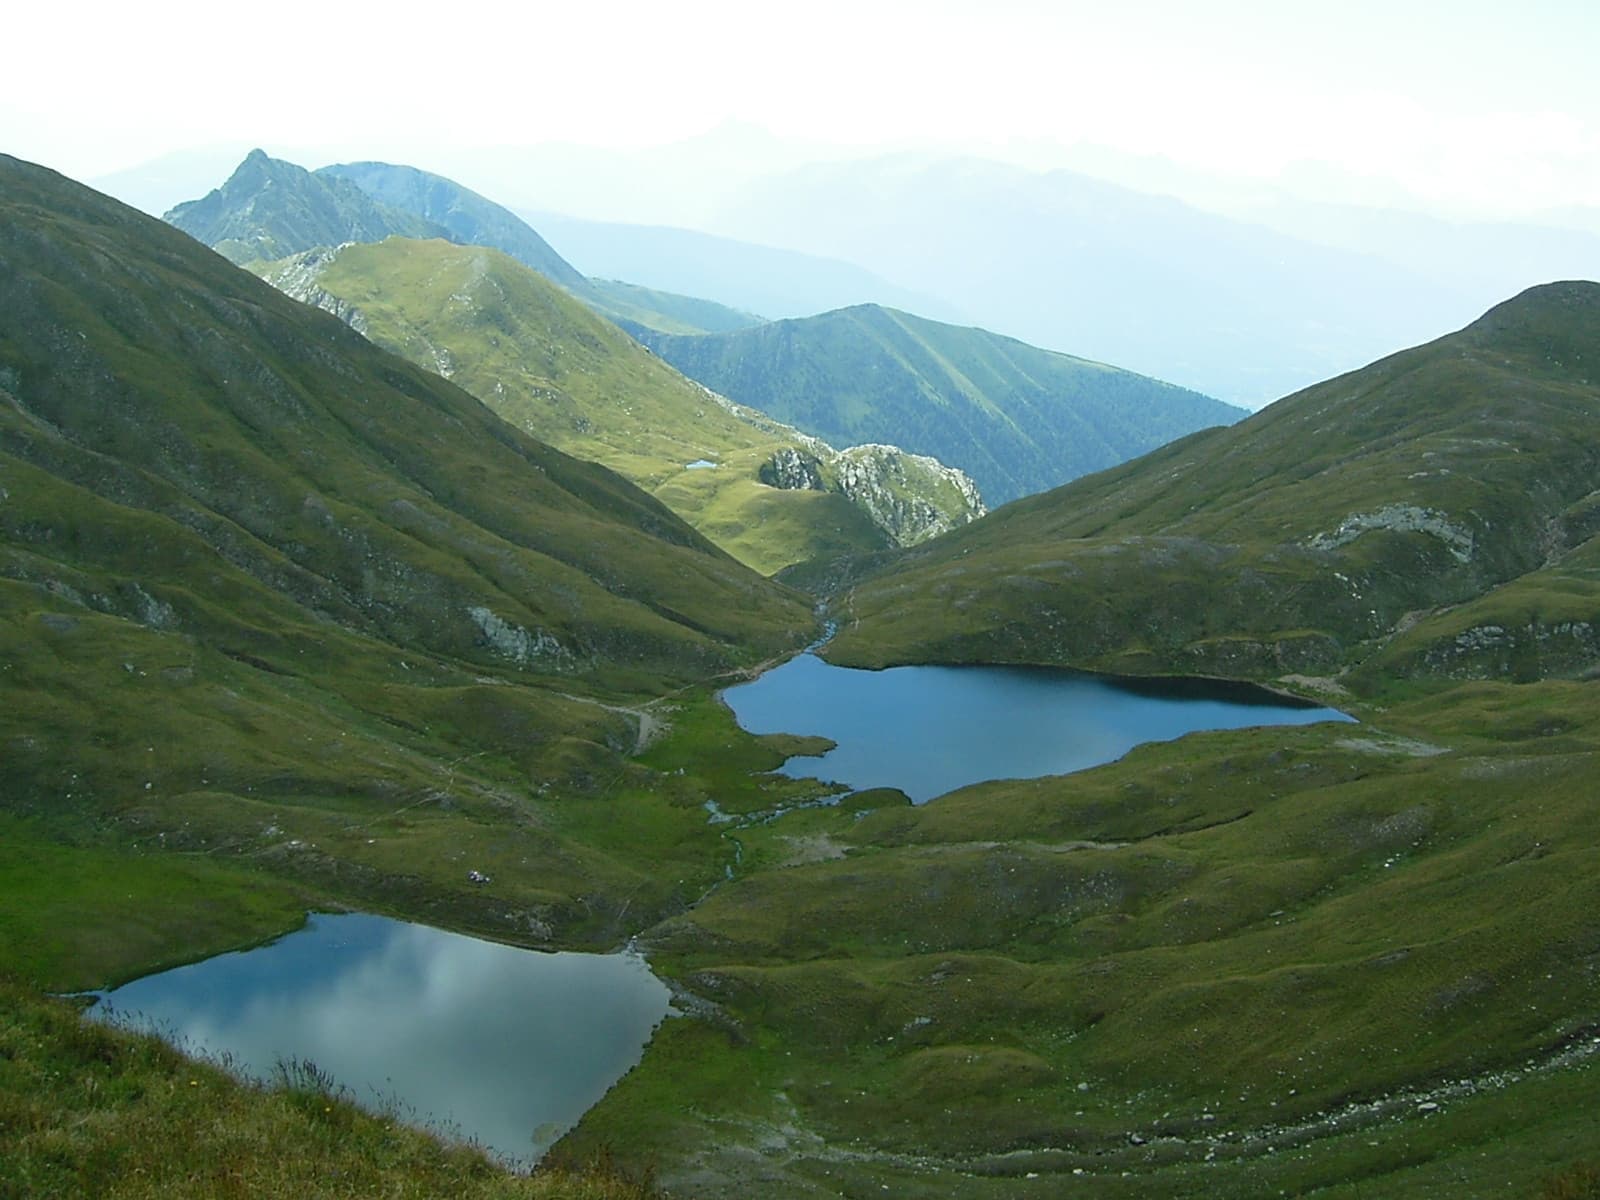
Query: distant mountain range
[
  {"x": 1222, "y": 304},
  {"x": 1024, "y": 419},
  {"x": 742, "y": 275},
  {"x": 1016, "y": 418},
  {"x": 1433, "y": 513},
  {"x": 1197, "y": 279}
]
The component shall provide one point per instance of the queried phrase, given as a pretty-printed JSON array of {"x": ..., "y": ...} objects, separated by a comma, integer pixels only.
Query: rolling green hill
[
  {"x": 765, "y": 492},
  {"x": 1315, "y": 537},
  {"x": 1016, "y": 418},
  {"x": 466, "y": 217}
]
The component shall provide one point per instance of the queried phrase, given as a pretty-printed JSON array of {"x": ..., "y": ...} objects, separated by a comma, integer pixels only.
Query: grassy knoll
[{"x": 1235, "y": 964}]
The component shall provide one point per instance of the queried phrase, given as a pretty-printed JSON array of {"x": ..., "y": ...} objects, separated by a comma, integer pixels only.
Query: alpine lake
[{"x": 509, "y": 1047}]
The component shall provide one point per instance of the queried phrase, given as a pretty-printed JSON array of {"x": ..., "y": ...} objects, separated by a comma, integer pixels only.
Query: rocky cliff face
[
  {"x": 911, "y": 497},
  {"x": 297, "y": 278}
]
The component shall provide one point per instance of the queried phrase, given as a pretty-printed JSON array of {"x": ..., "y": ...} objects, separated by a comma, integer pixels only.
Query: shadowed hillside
[{"x": 1335, "y": 528}]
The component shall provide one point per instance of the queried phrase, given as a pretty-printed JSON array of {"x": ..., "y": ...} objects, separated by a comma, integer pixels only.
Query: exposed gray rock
[
  {"x": 1399, "y": 518},
  {"x": 297, "y": 277},
  {"x": 518, "y": 644},
  {"x": 791, "y": 470}
]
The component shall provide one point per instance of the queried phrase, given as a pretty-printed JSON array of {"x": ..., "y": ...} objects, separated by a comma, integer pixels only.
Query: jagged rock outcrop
[
  {"x": 911, "y": 496},
  {"x": 792, "y": 470},
  {"x": 297, "y": 276}
]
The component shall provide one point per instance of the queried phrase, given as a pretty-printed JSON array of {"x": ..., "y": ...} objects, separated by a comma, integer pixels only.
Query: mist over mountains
[
  {"x": 1239, "y": 289},
  {"x": 355, "y": 613}
]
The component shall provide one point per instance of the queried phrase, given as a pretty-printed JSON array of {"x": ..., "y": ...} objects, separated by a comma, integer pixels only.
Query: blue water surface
[
  {"x": 930, "y": 730},
  {"x": 505, "y": 1046}
]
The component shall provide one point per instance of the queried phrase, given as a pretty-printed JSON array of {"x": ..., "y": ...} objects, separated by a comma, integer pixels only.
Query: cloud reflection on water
[
  {"x": 930, "y": 730},
  {"x": 500, "y": 1043}
]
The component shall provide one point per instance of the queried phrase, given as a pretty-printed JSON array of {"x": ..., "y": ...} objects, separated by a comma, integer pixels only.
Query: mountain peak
[{"x": 270, "y": 208}]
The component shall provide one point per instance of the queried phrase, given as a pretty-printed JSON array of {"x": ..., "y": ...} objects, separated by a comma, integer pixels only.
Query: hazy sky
[{"x": 1472, "y": 106}]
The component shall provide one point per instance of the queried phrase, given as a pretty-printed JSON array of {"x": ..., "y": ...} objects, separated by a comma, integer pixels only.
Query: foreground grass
[
  {"x": 1238, "y": 964},
  {"x": 91, "y": 1111}
]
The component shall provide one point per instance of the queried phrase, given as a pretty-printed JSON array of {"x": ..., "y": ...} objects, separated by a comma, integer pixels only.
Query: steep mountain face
[
  {"x": 466, "y": 217},
  {"x": 548, "y": 365},
  {"x": 278, "y": 571},
  {"x": 1016, "y": 418},
  {"x": 472, "y": 220},
  {"x": 268, "y": 209},
  {"x": 1337, "y": 527}
]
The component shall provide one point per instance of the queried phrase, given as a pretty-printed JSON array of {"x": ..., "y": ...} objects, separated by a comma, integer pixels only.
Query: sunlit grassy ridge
[{"x": 545, "y": 363}]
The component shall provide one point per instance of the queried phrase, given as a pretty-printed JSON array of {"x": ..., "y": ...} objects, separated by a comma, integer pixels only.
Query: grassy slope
[
  {"x": 549, "y": 366},
  {"x": 1016, "y": 418},
  {"x": 1240, "y": 964},
  {"x": 267, "y": 592},
  {"x": 1264, "y": 927},
  {"x": 1223, "y": 553}
]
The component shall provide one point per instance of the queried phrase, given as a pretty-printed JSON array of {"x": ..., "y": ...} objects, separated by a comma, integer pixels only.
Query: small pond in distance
[
  {"x": 504, "y": 1046},
  {"x": 930, "y": 730}
]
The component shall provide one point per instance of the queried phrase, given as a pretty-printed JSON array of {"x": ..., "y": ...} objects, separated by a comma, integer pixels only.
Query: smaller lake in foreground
[
  {"x": 930, "y": 730},
  {"x": 505, "y": 1046}
]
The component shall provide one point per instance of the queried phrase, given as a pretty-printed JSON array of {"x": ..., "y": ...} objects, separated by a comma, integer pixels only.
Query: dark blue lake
[
  {"x": 505, "y": 1046},
  {"x": 930, "y": 730}
]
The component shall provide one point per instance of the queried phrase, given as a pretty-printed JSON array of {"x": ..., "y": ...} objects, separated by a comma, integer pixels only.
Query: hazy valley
[{"x": 385, "y": 561}]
